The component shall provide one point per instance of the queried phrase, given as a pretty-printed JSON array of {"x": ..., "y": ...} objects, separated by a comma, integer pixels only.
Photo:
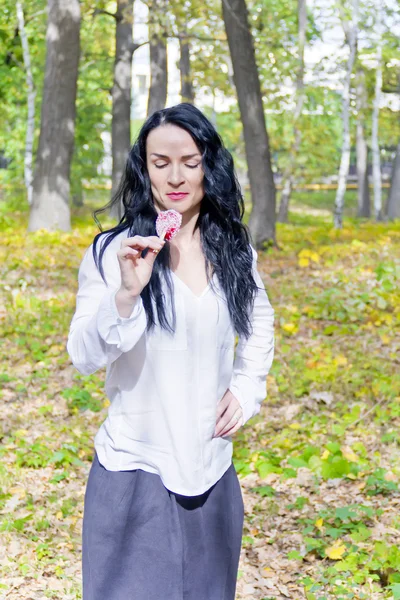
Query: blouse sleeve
[
  {"x": 254, "y": 356},
  {"x": 98, "y": 335}
]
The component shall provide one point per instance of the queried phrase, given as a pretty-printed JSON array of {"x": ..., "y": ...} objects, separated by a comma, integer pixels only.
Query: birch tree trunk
[
  {"x": 364, "y": 203},
  {"x": 247, "y": 83},
  {"x": 376, "y": 159},
  {"x": 393, "y": 203},
  {"x": 51, "y": 184},
  {"x": 121, "y": 96},
  {"x": 30, "y": 124},
  {"x": 158, "y": 56},
  {"x": 187, "y": 92},
  {"x": 345, "y": 157},
  {"x": 288, "y": 175}
]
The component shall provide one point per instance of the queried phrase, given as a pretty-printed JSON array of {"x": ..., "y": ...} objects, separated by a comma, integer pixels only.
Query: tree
[
  {"x": 51, "y": 185},
  {"x": 158, "y": 56},
  {"x": 376, "y": 156},
  {"x": 187, "y": 91},
  {"x": 121, "y": 93},
  {"x": 393, "y": 203},
  {"x": 288, "y": 176},
  {"x": 30, "y": 125},
  {"x": 364, "y": 203},
  {"x": 247, "y": 83},
  {"x": 351, "y": 37}
]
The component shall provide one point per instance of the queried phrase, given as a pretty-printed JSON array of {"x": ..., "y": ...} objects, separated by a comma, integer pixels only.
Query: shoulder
[
  {"x": 254, "y": 253},
  {"x": 106, "y": 241},
  {"x": 109, "y": 255}
]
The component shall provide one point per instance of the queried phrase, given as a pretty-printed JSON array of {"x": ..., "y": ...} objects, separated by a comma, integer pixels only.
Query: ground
[{"x": 319, "y": 466}]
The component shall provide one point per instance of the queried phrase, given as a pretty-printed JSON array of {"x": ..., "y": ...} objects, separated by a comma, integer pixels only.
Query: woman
[{"x": 163, "y": 512}]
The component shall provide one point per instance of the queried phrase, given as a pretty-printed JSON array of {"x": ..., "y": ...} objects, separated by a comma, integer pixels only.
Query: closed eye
[{"x": 166, "y": 164}]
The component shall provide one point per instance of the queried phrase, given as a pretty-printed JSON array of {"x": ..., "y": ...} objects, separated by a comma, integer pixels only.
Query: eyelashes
[{"x": 188, "y": 166}]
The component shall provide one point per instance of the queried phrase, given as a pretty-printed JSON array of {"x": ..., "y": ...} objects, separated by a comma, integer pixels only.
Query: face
[{"x": 175, "y": 170}]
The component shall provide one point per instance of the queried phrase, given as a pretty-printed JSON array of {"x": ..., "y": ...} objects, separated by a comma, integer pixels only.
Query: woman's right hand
[{"x": 135, "y": 270}]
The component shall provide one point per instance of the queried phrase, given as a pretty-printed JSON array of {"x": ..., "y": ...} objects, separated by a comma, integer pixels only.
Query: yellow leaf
[
  {"x": 315, "y": 257},
  {"x": 340, "y": 360},
  {"x": 318, "y": 523},
  {"x": 336, "y": 551},
  {"x": 20, "y": 491},
  {"x": 385, "y": 339},
  {"x": 290, "y": 327},
  {"x": 349, "y": 455},
  {"x": 295, "y": 425},
  {"x": 305, "y": 253},
  {"x": 59, "y": 515},
  {"x": 303, "y": 262},
  {"x": 325, "y": 454}
]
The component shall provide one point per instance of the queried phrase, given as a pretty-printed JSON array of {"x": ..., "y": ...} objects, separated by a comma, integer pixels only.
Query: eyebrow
[{"x": 186, "y": 157}]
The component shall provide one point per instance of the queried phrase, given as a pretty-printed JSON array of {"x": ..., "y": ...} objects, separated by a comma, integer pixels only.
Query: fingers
[
  {"x": 141, "y": 243},
  {"x": 234, "y": 429},
  {"x": 128, "y": 252},
  {"x": 222, "y": 405},
  {"x": 228, "y": 420}
]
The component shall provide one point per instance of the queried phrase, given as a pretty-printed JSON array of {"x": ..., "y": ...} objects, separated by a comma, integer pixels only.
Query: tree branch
[
  {"x": 196, "y": 37},
  {"x": 100, "y": 11},
  {"x": 134, "y": 45}
]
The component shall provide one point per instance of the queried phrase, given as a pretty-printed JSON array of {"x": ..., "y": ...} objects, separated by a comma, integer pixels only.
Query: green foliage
[{"x": 80, "y": 399}]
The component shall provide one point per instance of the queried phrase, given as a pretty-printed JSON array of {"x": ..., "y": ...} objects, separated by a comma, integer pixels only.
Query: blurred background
[{"x": 306, "y": 96}]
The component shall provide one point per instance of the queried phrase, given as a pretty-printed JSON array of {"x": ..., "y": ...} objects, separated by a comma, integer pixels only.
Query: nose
[{"x": 175, "y": 176}]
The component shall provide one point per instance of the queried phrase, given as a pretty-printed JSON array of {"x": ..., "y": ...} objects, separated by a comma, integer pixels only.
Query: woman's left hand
[{"x": 229, "y": 415}]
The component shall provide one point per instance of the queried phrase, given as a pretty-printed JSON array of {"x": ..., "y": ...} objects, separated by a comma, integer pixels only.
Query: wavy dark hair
[{"x": 224, "y": 238}]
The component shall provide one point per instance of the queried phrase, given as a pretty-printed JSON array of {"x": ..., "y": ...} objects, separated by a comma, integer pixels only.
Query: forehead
[{"x": 170, "y": 140}]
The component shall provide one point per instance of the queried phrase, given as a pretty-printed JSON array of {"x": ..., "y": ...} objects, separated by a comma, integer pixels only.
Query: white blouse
[{"x": 163, "y": 388}]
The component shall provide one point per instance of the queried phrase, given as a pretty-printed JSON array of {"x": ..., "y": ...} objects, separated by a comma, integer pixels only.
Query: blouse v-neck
[{"x": 187, "y": 288}]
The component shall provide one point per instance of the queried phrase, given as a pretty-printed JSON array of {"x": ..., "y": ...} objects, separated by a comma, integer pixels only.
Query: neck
[{"x": 186, "y": 234}]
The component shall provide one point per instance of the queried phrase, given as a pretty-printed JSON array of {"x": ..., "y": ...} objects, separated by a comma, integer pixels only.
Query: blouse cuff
[
  {"x": 243, "y": 390},
  {"x": 123, "y": 332}
]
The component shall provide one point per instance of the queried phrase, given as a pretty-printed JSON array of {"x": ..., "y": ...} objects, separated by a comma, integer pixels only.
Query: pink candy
[{"x": 168, "y": 223}]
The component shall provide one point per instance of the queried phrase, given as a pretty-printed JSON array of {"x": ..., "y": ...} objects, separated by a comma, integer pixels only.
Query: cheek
[
  {"x": 198, "y": 180},
  {"x": 156, "y": 177}
]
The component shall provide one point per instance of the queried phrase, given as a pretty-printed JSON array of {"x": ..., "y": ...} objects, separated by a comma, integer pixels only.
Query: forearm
[
  {"x": 125, "y": 302},
  {"x": 94, "y": 340}
]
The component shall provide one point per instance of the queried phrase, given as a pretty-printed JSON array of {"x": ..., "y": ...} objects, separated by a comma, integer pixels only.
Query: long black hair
[{"x": 224, "y": 238}]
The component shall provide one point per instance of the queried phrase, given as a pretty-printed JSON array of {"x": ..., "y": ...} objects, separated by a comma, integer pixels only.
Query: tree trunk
[
  {"x": 364, "y": 203},
  {"x": 288, "y": 175},
  {"x": 393, "y": 203},
  {"x": 247, "y": 83},
  {"x": 376, "y": 158},
  {"x": 121, "y": 96},
  {"x": 158, "y": 57},
  {"x": 187, "y": 92},
  {"x": 51, "y": 185},
  {"x": 30, "y": 125},
  {"x": 345, "y": 158}
]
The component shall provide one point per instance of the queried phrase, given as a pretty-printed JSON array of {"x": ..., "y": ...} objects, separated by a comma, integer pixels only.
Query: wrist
[
  {"x": 128, "y": 295},
  {"x": 125, "y": 302}
]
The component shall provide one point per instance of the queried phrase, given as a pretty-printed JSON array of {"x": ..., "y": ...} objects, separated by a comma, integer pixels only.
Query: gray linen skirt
[{"x": 144, "y": 542}]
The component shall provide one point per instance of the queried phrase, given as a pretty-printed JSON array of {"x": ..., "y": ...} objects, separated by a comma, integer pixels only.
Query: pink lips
[{"x": 177, "y": 195}]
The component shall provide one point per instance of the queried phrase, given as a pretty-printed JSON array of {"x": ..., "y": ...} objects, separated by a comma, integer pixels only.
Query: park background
[{"x": 306, "y": 95}]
